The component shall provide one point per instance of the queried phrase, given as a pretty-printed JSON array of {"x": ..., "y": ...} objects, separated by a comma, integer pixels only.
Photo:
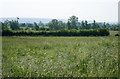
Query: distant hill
[
  {"x": 44, "y": 20},
  {"x": 31, "y": 20}
]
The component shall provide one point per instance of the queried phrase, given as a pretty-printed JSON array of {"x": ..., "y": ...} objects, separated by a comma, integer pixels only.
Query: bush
[
  {"x": 73, "y": 32},
  {"x": 103, "y": 32}
]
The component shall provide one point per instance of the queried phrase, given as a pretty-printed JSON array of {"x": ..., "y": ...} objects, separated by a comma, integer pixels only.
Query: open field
[{"x": 60, "y": 56}]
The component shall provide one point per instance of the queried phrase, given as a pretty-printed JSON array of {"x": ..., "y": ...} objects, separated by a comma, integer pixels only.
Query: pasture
[{"x": 60, "y": 56}]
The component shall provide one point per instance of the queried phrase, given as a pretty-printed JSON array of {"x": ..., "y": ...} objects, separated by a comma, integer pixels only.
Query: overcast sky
[{"x": 99, "y": 10}]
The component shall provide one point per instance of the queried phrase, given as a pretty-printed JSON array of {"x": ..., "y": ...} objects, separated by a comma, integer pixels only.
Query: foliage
[
  {"x": 73, "y": 32},
  {"x": 55, "y": 26},
  {"x": 14, "y": 25},
  {"x": 73, "y": 21},
  {"x": 41, "y": 24},
  {"x": 36, "y": 27},
  {"x": 115, "y": 27}
]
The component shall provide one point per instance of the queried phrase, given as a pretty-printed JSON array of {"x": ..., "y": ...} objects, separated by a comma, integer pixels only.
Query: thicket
[{"x": 73, "y": 32}]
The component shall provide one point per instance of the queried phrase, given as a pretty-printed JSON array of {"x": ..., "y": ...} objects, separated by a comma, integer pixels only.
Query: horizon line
[{"x": 58, "y": 19}]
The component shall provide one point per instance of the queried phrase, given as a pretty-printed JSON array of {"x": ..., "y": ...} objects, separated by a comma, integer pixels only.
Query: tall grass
[{"x": 60, "y": 56}]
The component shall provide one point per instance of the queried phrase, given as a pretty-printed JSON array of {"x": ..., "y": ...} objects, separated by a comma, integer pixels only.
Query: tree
[
  {"x": 29, "y": 25},
  {"x": 78, "y": 25},
  {"x": 68, "y": 25},
  {"x": 1, "y": 27},
  {"x": 4, "y": 25},
  {"x": 73, "y": 21},
  {"x": 23, "y": 25},
  {"x": 61, "y": 25},
  {"x": 104, "y": 25},
  {"x": 82, "y": 26},
  {"x": 41, "y": 24},
  {"x": 36, "y": 27},
  {"x": 17, "y": 19},
  {"x": 94, "y": 25},
  {"x": 108, "y": 26},
  {"x": 115, "y": 27},
  {"x": 14, "y": 25},
  {"x": 87, "y": 25},
  {"x": 53, "y": 25}
]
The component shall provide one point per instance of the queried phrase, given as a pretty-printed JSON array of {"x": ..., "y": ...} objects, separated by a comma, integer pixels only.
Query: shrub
[{"x": 73, "y": 32}]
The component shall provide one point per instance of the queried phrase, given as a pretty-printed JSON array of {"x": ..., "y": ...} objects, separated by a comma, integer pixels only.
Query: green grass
[
  {"x": 112, "y": 33},
  {"x": 60, "y": 56}
]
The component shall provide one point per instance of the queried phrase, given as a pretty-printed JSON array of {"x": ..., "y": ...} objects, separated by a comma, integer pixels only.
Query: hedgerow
[{"x": 73, "y": 32}]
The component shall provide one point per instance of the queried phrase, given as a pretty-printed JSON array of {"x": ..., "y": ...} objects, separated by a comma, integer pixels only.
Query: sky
[{"x": 99, "y": 10}]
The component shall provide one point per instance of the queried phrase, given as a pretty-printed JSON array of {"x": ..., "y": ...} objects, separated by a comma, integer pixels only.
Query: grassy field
[{"x": 60, "y": 56}]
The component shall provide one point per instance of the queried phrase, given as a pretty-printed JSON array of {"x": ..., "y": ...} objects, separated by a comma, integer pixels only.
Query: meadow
[{"x": 39, "y": 56}]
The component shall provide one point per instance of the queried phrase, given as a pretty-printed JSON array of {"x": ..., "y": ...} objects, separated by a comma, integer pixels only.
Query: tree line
[{"x": 56, "y": 26}]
